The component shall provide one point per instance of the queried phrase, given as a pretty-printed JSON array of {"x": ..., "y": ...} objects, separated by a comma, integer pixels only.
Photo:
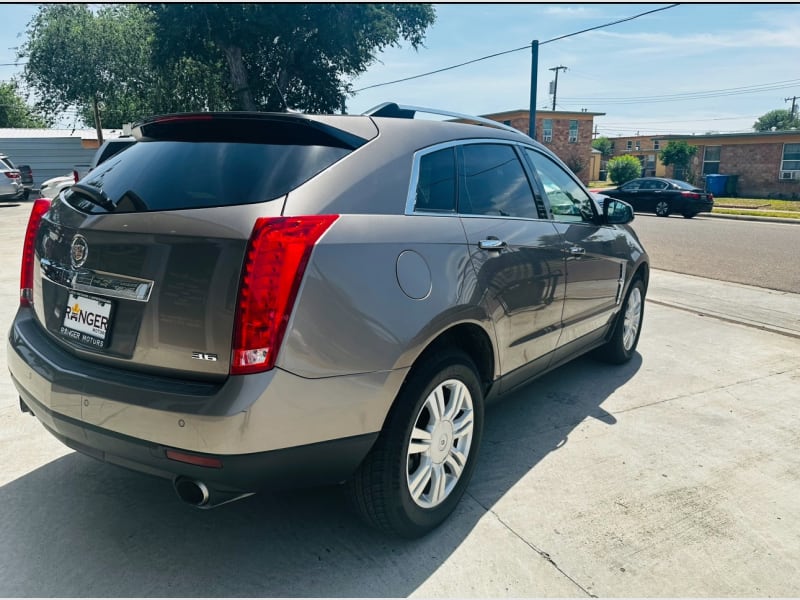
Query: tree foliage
[
  {"x": 678, "y": 154},
  {"x": 777, "y": 120},
  {"x": 277, "y": 56},
  {"x": 14, "y": 111},
  {"x": 78, "y": 58},
  {"x": 624, "y": 168},
  {"x": 604, "y": 145},
  {"x": 127, "y": 61}
]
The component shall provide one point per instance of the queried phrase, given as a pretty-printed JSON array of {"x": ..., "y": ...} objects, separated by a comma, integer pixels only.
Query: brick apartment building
[
  {"x": 567, "y": 134},
  {"x": 766, "y": 164}
]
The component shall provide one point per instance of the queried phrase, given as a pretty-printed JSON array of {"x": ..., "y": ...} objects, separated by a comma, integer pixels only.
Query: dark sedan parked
[{"x": 663, "y": 196}]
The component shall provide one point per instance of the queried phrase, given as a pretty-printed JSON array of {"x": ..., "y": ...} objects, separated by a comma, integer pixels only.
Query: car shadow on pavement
[{"x": 78, "y": 527}]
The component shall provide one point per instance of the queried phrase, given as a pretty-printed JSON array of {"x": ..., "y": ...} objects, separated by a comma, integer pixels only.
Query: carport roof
[{"x": 84, "y": 134}]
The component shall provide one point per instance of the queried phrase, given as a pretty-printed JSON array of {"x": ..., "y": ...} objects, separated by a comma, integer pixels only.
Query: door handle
[
  {"x": 492, "y": 244},
  {"x": 577, "y": 251}
]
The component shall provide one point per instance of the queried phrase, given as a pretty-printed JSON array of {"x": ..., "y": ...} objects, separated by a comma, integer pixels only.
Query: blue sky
[{"x": 687, "y": 49}]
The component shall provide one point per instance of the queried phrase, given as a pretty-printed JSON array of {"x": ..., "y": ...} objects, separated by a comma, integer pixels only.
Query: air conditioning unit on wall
[
  {"x": 548, "y": 138},
  {"x": 790, "y": 174}
]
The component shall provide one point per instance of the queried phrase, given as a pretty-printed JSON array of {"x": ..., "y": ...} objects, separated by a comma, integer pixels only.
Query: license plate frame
[{"x": 91, "y": 324}]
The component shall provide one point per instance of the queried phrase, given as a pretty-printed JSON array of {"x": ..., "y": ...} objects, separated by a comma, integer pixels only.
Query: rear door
[
  {"x": 515, "y": 251},
  {"x": 139, "y": 264}
]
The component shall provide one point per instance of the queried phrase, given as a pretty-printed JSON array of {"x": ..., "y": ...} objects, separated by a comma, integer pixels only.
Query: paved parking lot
[{"x": 675, "y": 475}]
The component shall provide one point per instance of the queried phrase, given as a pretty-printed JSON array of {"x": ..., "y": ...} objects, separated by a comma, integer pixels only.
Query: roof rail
[{"x": 392, "y": 109}]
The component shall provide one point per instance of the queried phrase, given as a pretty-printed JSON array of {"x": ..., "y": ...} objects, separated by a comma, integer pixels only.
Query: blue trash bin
[{"x": 716, "y": 184}]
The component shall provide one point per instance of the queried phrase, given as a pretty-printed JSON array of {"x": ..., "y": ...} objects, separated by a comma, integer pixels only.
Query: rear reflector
[
  {"x": 40, "y": 207},
  {"x": 276, "y": 259},
  {"x": 211, "y": 462}
]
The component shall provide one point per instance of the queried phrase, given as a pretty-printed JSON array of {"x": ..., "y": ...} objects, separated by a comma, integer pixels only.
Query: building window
[
  {"x": 547, "y": 130},
  {"x": 638, "y": 145},
  {"x": 790, "y": 165},
  {"x": 629, "y": 145},
  {"x": 573, "y": 131},
  {"x": 711, "y": 160},
  {"x": 612, "y": 146},
  {"x": 656, "y": 144}
]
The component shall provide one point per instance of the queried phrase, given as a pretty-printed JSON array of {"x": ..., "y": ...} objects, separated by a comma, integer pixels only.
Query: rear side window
[
  {"x": 172, "y": 175},
  {"x": 494, "y": 183},
  {"x": 436, "y": 186}
]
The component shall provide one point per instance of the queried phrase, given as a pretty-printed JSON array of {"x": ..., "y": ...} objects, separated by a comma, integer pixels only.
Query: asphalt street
[
  {"x": 760, "y": 253},
  {"x": 674, "y": 475}
]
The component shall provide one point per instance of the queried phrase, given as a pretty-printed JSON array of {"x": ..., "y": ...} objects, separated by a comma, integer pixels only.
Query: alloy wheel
[
  {"x": 440, "y": 442},
  {"x": 633, "y": 318}
]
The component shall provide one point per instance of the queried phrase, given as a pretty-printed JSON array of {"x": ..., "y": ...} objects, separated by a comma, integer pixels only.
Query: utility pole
[
  {"x": 794, "y": 104},
  {"x": 534, "y": 81},
  {"x": 555, "y": 87}
]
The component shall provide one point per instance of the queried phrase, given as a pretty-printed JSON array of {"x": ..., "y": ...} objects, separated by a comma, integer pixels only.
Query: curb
[
  {"x": 726, "y": 318},
  {"x": 751, "y": 218}
]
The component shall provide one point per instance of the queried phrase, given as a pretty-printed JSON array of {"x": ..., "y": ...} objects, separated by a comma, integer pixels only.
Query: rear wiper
[{"x": 93, "y": 195}]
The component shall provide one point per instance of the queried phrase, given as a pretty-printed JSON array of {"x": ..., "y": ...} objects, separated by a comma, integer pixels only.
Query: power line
[
  {"x": 496, "y": 54},
  {"x": 748, "y": 89}
]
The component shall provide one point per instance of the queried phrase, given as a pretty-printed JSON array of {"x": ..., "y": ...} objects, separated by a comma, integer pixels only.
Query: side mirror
[{"x": 617, "y": 212}]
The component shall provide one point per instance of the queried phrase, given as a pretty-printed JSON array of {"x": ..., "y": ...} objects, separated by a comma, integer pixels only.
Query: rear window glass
[
  {"x": 112, "y": 148},
  {"x": 173, "y": 175}
]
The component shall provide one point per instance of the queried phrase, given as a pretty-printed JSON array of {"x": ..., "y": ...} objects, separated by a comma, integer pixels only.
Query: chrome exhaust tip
[
  {"x": 200, "y": 495},
  {"x": 192, "y": 492}
]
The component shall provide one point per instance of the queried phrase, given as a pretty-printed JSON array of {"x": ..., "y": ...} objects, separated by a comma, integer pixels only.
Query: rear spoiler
[{"x": 257, "y": 128}]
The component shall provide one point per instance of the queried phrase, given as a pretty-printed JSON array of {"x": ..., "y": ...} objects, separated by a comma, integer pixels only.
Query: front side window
[
  {"x": 632, "y": 185},
  {"x": 436, "y": 185},
  {"x": 711, "y": 160},
  {"x": 494, "y": 183},
  {"x": 568, "y": 201},
  {"x": 790, "y": 163}
]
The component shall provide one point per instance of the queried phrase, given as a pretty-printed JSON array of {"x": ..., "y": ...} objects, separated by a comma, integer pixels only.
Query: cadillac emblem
[{"x": 78, "y": 251}]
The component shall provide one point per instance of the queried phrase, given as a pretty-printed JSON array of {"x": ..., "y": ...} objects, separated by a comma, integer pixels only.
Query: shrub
[{"x": 624, "y": 168}]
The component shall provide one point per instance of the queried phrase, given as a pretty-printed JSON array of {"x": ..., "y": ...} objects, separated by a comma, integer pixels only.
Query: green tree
[
  {"x": 679, "y": 154},
  {"x": 624, "y": 168},
  {"x": 604, "y": 145},
  {"x": 14, "y": 112},
  {"x": 101, "y": 62},
  {"x": 778, "y": 120},
  {"x": 276, "y": 56}
]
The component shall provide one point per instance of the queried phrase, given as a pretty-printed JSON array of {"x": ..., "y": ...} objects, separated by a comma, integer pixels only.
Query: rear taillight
[
  {"x": 12, "y": 174},
  {"x": 692, "y": 195},
  {"x": 40, "y": 207},
  {"x": 75, "y": 176},
  {"x": 276, "y": 259}
]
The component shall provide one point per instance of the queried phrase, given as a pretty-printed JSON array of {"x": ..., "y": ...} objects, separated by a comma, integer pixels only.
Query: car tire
[
  {"x": 26, "y": 194},
  {"x": 625, "y": 337},
  {"x": 662, "y": 208},
  {"x": 408, "y": 485}
]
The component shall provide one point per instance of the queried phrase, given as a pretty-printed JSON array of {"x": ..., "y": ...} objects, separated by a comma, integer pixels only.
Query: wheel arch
[{"x": 468, "y": 337}]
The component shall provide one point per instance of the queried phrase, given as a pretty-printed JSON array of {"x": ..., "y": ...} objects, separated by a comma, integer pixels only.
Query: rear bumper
[
  {"x": 271, "y": 429},
  {"x": 313, "y": 464}
]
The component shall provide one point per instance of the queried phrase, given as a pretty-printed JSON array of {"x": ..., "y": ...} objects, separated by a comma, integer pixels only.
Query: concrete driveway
[{"x": 675, "y": 475}]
